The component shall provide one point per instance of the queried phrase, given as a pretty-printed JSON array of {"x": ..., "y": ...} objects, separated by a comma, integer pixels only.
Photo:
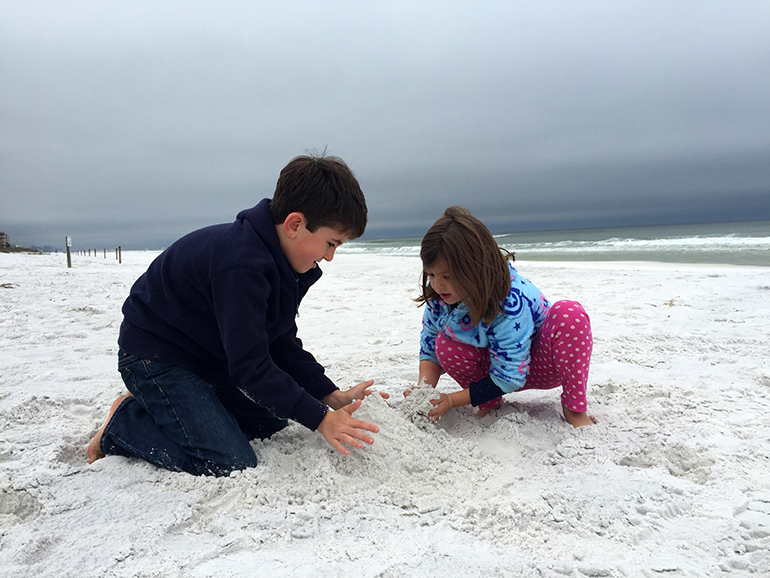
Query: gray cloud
[{"x": 145, "y": 121}]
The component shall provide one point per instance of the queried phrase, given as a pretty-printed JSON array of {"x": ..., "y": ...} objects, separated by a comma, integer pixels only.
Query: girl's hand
[{"x": 440, "y": 406}]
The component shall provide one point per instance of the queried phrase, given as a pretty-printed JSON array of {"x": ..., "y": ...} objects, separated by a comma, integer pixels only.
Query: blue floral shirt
[{"x": 508, "y": 337}]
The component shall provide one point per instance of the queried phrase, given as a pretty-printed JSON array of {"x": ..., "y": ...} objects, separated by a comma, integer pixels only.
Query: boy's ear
[{"x": 292, "y": 224}]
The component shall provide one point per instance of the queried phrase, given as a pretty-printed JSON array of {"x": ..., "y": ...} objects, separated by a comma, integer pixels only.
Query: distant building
[{"x": 4, "y": 243}]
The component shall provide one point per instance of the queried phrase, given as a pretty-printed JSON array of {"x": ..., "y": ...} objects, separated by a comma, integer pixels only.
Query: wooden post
[
  {"x": 68, "y": 242},
  {"x": 105, "y": 252},
  {"x": 120, "y": 255}
]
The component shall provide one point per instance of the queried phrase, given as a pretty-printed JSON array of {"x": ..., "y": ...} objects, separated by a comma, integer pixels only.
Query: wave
[{"x": 749, "y": 247}]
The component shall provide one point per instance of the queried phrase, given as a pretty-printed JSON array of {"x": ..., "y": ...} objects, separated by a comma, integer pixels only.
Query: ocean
[{"x": 740, "y": 243}]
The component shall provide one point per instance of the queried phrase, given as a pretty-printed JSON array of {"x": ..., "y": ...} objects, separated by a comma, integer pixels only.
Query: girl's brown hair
[{"x": 477, "y": 266}]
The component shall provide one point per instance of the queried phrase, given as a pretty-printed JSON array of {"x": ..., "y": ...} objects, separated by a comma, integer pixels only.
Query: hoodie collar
[{"x": 260, "y": 220}]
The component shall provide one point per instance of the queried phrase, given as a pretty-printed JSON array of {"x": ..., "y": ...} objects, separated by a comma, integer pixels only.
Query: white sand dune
[{"x": 673, "y": 480}]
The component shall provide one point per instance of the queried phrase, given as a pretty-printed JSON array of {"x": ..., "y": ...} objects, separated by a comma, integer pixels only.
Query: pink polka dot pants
[
  {"x": 464, "y": 363},
  {"x": 560, "y": 356}
]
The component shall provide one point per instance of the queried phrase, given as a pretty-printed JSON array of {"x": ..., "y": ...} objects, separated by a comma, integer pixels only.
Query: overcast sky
[{"x": 132, "y": 123}]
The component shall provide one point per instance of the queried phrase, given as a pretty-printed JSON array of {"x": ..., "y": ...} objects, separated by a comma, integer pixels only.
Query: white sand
[{"x": 674, "y": 480}]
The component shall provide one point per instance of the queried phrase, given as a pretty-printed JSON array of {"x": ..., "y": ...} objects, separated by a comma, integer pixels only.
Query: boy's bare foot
[
  {"x": 94, "y": 451},
  {"x": 576, "y": 418}
]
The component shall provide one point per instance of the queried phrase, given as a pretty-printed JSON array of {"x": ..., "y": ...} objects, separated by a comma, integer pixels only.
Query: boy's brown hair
[
  {"x": 325, "y": 191},
  {"x": 477, "y": 266}
]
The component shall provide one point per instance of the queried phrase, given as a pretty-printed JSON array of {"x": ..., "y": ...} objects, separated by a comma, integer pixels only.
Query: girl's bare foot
[
  {"x": 485, "y": 411},
  {"x": 576, "y": 418},
  {"x": 94, "y": 451}
]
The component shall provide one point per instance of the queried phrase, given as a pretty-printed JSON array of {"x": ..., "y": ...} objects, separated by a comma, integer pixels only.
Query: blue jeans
[{"x": 182, "y": 422}]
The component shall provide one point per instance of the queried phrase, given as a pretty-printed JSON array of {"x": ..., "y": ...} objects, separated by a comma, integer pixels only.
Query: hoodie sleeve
[
  {"x": 510, "y": 341},
  {"x": 240, "y": 298},
  {"x": 291, "y": 357},
  {"x": 430, "y": 329}
]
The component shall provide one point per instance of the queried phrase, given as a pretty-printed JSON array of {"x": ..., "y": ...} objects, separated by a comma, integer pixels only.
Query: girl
[{"x": 491, "y": 329}]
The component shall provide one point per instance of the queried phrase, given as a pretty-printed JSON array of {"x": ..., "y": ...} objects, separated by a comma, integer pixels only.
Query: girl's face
[{"x": 441, "y": 281}]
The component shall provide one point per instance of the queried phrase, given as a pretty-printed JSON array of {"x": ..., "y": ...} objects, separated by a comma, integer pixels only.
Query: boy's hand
[
  {"x": 340, "y": 426},
  {"x": 360, "y": 391},
  {"x": 339, "y": 399}
]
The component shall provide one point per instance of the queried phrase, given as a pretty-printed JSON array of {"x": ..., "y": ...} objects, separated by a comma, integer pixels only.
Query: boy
[{"x": 209, "y": 350}]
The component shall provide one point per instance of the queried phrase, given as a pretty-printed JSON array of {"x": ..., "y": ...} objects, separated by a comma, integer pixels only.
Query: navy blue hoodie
[{"x": 221, "y": 301}]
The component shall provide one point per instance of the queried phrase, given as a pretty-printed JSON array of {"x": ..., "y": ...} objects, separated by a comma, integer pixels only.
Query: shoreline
[{"x": 598, "y": 263}]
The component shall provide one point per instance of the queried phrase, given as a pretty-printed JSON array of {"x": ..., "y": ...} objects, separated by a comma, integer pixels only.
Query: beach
[{"x": 672, "y": 480}]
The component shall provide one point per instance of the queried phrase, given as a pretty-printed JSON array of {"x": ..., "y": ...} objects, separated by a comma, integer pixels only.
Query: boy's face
[{"x": 306, "y": 249}]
